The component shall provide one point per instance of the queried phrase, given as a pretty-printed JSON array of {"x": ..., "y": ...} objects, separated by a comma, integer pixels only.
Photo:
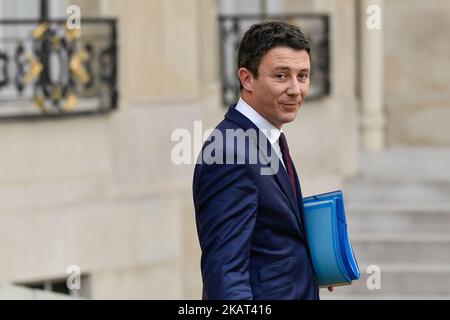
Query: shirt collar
[{"x": 270, "y": 131}]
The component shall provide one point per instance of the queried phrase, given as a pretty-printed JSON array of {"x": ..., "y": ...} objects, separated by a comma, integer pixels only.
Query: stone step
[
  {"x": 421, "y": 249},
  {"x": 398, "y": 213},
  {"x": 401, "y": 218},
  {"x": 401, "y": 280},
  {"x": 408, "y": 164},
  {"x": 397, "y": 191}
]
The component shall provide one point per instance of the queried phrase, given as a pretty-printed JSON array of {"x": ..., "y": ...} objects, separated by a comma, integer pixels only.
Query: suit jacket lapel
[
  {"x": 281, "y": 174},
  {"x": 284, "y": 181}
]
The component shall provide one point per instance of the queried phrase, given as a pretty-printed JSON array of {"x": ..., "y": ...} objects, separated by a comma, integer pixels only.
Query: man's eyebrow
[
  {"x": 282, "y": 68},
  {"x": 288, "y": 68}
]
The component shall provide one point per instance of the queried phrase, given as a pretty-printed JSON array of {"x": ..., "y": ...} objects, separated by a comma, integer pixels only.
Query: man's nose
[{"x": 294, "y": 88}]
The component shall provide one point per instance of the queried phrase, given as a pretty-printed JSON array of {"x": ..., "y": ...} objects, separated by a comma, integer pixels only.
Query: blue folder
[{"x": 326, "y": 228}]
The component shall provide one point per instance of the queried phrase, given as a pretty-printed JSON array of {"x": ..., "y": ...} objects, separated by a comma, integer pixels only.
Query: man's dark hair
[{"x": 262, "y": 37}]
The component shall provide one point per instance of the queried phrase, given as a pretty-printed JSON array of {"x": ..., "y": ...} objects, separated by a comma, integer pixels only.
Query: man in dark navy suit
[{"x": 247, "y": 196}]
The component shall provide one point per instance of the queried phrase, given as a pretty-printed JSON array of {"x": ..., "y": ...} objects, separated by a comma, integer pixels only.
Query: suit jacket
[{"x": 250, "y": 226}]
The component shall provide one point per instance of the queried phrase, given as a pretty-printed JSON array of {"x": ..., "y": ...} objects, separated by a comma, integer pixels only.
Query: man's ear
[{"x": 246, "y": 78}]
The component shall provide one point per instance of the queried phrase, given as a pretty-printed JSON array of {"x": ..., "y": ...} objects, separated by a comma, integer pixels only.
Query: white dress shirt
[{"x": 270, "y": 131}]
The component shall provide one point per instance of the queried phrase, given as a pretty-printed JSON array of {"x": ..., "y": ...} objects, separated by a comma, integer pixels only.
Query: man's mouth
[{"x": 290, "y": 104}]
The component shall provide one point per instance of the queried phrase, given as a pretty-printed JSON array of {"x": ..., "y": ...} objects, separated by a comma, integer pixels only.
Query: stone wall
[{"x": 417, "y": 81}]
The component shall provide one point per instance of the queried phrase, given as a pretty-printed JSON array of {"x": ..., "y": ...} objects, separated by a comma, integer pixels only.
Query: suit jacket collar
[
  {"x": 235, "y": 116},
  {"x": 270, "y": 131}
]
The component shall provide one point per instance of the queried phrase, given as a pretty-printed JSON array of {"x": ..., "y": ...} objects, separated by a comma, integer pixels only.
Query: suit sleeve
[{"x": 226, "y": 200}]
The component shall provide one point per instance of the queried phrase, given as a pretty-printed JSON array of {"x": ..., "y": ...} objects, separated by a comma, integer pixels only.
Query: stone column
[{"x": 373, "y": 117}]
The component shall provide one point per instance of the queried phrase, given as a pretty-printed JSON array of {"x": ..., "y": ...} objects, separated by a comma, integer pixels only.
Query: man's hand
[{"x": 331, "y": 289}]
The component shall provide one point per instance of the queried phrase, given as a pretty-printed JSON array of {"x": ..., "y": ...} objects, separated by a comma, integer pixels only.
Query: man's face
[{"x": 281, "y": 86}]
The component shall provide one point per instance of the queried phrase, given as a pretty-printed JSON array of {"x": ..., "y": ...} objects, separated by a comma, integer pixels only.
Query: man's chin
[
  {"x": 289, "y": 116},
  {"x": 287, "y": 120}
]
